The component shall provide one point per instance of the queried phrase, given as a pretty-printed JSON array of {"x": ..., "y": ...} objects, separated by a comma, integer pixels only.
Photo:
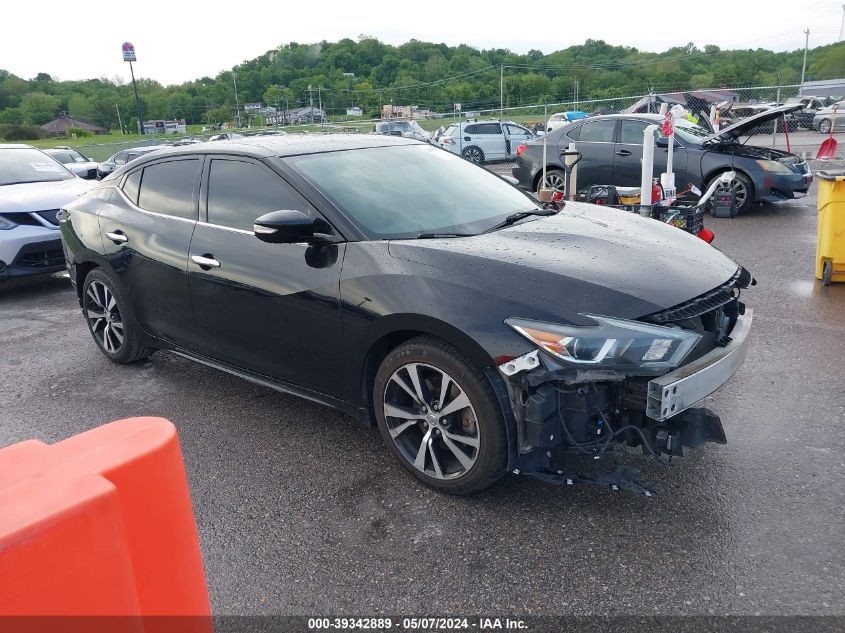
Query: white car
[
  {"x": 559, "y": 119},
  {"x": 482, "y": 141},
  {"x": 33, "y": 187},
  {"x": 79, "y": 164}
]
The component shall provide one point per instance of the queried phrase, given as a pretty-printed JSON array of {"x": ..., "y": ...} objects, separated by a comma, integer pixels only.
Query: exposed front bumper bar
[{"x": 678, "y": 390}]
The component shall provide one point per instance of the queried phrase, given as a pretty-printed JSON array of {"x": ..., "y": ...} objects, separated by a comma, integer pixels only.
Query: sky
[{"x": 177, "y": 42}]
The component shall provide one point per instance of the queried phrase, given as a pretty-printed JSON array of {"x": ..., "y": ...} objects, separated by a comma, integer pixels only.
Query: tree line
[{"x": 369, "y": 73}]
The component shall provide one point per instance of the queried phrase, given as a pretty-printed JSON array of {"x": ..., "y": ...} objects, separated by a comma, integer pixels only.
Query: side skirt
[{"x": 266, "y": 381}]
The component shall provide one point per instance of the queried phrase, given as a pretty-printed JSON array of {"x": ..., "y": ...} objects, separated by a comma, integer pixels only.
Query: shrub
[
  {"x": 77, "y": 132},
  {"x": 13, "y": 132}
]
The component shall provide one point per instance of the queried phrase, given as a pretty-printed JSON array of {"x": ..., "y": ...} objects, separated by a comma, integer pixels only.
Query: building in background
[
  {"x": 59, "y": 127},
  {"x": 354, "y": 111},
  {"x": 161, "y": 126}
]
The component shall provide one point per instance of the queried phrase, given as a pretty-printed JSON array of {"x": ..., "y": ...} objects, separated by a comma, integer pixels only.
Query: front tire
[
  {"x": 743, "y": 190},
  {"x": 110, "y": 318},
  {"x": 824, "y": 126},
  {"x": 439, "y": 416}
]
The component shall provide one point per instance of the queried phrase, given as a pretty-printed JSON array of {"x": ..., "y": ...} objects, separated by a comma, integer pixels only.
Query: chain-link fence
[{"x": 733, "y": 104}]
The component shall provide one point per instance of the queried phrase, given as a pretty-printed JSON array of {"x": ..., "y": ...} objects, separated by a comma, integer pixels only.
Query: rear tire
[
  {"x": 439, "y": 416},
  {"x": 110, "y": 318},
  {"x": 824, "y": 126},
  {"x": 827, "y": 273},
  {"x": 555, "y": 180},
  {"x": 473, "y": 154}
]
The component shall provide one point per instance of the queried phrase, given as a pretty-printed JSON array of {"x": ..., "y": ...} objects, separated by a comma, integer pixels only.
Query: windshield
[
  {"x": 67, "y": 156},
  {"x": 24, "y": 164},
  {"x": 402, "y": 191},
  {"x": 690, "y": 132}
]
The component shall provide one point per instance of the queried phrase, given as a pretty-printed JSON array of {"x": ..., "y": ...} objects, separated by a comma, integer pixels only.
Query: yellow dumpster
[{"x": 830, "y": 237}]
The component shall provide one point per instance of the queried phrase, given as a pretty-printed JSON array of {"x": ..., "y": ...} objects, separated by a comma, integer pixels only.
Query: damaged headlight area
[
  {"x": 615, "y": 385},
  {"x": 628, "y": 346}
]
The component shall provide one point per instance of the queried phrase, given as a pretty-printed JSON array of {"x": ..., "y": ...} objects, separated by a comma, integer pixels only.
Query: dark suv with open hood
[
  {"x": 612, "y": 149},
  {"x": 481, "y": 332}
]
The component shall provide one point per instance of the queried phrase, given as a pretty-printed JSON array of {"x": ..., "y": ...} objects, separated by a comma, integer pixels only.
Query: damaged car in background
[{"x": 482, "y": 333}]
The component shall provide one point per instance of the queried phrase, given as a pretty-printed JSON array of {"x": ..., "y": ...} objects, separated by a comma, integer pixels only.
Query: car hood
[
  {"x": 585, "y": 259},
  {"x": 41, "y": 196},
  {"x": 747, "y": 125}
]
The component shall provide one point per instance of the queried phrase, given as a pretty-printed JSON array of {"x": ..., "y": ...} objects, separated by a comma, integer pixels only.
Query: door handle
[
  {"x": 206, "y": 262},
  {"x": 118, "y": 237},
  {"x": 623, "y": 152},
  {"x": 467, "y": 138}
]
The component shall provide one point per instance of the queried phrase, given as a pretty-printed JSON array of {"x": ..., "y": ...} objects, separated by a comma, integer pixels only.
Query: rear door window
[
  {"x": 632, "y": 132},
  {"x": 598, "y": 131},
  {"x": 168, "y": 188},
  {"x": 131, "y": 186}
]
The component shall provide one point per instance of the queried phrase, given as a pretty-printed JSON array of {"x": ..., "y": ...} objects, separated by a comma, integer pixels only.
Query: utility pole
[
  {"x": 804, "y": 65},
  {"x": 320, "y": 101},
  {"x": 842, "y": 24},
  {"x": 237, "y": 103},
  {"x": 311, "y": 103},
  {"x": 119, "y": 122},
  {"x": 501, "y": 91}
]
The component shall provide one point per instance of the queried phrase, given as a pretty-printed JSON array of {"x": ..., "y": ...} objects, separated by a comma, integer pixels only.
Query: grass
[{"x": 102, "y": 146}]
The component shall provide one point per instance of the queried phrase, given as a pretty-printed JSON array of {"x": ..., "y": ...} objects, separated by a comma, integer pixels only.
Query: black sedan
[
  {"x": 612, "y": 149},
  {"x": 481, "y": 333}
]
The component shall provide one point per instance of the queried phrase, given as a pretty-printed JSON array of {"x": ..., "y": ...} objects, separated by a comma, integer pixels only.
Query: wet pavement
[{"x": 301, "y": 511}]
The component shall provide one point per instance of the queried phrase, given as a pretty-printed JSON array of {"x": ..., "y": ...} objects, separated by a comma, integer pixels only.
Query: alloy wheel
[
  {"x": 473, "y": 154},
  {"x": 554, "y": 181},
  {"x": 740, "y": 192},
  {"x": 104, "y": 317},
  {"x": 432, "y": 421},
  {"x": 824, "y": 128}
]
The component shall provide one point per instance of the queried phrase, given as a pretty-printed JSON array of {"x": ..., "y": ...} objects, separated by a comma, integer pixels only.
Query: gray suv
[
  {"x": 122, "y": 157},
  {"x": 482, "y": 141}
]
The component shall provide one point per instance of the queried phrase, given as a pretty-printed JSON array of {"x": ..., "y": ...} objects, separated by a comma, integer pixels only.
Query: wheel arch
[
  {"x": 83, "y": 265},
  {"x": 705, "y": 182},
  {"x": 539, "y": 175},
  {"x": 395, "y": 330}
]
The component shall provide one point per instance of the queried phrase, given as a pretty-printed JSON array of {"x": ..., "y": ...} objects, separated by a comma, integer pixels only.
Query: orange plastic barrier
[{"x": 100, "y": 524}]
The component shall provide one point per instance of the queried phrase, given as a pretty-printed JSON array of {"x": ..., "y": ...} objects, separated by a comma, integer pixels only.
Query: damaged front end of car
[{"x": 617, "y": 385}]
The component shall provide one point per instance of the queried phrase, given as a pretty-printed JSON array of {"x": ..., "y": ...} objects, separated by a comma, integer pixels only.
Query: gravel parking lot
[{"x": 302, "y": 511}]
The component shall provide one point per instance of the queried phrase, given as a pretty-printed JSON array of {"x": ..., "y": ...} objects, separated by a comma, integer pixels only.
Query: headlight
[
  {"x": 5, "y": 224},
  {"x": 627, "y": 346},
  {"x": 773, "y": 165}
]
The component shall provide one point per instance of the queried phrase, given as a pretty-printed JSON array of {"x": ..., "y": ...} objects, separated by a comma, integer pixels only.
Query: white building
[{"x": 354, "y": 111}]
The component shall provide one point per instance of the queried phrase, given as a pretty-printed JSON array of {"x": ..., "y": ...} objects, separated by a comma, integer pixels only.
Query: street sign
[{"x": 129, "y": 52}]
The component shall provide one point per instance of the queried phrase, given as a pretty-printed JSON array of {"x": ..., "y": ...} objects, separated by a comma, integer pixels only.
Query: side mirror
[
  {"x": 284, "y": 227},
  {"x": 662, "y": 141}
]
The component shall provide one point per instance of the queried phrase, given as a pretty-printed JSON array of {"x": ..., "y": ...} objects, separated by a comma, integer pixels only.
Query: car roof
[
  {"x": 15, "y": 146},
  {"x": 288, "y": 145}
]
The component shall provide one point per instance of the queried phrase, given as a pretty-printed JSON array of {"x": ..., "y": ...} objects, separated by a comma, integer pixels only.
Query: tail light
[
  {"x": 706, "y": 234},
  {"x": 520, "y": 149}
]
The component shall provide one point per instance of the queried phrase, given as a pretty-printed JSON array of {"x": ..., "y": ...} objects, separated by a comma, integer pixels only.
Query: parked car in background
[
  {"x": 612, "y": 149},
  {"x": 405, "y": 129},
  {"x": 33, "y": 187},
  {"x": 123, "y": 157},
  {"x": 823, "y": 119},
  {"x": 809, "y": 107},
  {"x": 226, "y": 136},
  {"x": 406, "y": 297},
  {"x": 739, "y": 112},
  {"x": 562, "y": 118},
  {"x": 483, "y": 141},
  {"x": 76, "y": 162}
]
